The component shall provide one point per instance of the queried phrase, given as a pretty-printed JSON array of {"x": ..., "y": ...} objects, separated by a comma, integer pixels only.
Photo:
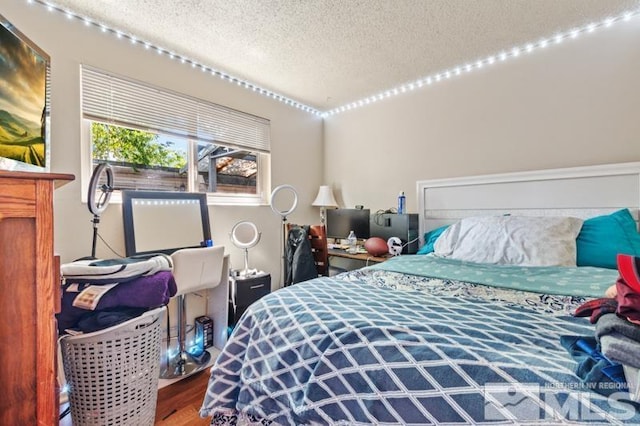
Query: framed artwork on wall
[{"x": 24, "y": 102}]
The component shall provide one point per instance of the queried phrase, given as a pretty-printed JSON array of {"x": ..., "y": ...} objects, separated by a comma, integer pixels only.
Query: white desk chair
[{"x": 193, "y": 269}]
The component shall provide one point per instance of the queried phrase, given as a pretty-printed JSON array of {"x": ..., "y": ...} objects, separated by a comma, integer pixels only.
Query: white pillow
[{"x": 512, "y": 240}]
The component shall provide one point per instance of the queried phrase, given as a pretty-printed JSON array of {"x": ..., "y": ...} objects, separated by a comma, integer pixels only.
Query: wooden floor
[{"x": 178, "y": 403}]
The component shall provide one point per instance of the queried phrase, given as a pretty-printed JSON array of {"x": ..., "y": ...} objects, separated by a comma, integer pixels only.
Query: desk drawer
[{"x": 251, "y": 289}]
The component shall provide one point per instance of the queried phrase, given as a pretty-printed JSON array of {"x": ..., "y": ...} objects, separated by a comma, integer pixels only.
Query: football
[{"x": 376, "y": 246}]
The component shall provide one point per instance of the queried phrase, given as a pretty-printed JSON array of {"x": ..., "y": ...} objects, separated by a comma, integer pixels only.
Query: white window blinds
[{"x": 125, "y": 102}]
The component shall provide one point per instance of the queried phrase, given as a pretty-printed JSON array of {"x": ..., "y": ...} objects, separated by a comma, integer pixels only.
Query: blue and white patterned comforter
[{"x": 379, "y": 347}]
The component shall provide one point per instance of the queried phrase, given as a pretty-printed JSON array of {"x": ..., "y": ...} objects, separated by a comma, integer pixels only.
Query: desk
[{"x": 364, "y": 257}]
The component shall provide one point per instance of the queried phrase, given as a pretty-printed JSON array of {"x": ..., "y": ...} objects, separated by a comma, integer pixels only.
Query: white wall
[
  {"x": 573, "y": 104},
  {"x": 296, "y": 136}
]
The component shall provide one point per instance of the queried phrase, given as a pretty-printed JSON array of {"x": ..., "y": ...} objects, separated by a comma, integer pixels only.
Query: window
[
  {"x": 159, "y": 140},
  {"x": 148, "y": 161}
]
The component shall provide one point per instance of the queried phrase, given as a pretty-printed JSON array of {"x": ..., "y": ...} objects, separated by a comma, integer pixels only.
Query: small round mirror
[{"x": 245, "y": 235}]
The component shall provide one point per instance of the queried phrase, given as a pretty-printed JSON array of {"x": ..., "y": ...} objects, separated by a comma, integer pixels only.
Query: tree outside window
[{"x": 148, "y": 161}]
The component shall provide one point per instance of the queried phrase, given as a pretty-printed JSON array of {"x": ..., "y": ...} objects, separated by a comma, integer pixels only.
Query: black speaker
[{"x": 403, "y": 226}]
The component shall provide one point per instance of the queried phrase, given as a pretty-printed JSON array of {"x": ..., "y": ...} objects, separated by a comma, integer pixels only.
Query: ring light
[
  {"x": 275, "y": 192},
  {"x": 283, "y": 214},
  {"x": 98, "y": 204}
]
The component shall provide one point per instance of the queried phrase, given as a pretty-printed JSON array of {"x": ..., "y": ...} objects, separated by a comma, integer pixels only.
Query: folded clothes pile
[
  {"x": 616, "y": 344},
  {"x": 98, "y": 294},
  {"x": 619, "y": 340},
  {"x": 596, "y": 372}
]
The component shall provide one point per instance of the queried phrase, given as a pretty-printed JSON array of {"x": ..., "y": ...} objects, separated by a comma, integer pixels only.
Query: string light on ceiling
[
  {"x": 176, "y": 56},
  {"x": 420, "y": 83},
  {"x": 481, "y": 63}
]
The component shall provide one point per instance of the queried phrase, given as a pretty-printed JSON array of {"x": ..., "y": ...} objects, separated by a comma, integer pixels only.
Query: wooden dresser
[{"x": 29, "y": 287}]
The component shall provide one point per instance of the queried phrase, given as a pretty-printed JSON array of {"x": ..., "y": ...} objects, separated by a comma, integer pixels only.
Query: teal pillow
[
  {"x": 430, "y": 239},
  {"x": 603, "y": 237}
]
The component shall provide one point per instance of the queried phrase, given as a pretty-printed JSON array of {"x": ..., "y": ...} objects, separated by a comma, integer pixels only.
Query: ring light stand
[
  {"x": 97, "y": 205},
  {"x": 284, "y": 214},
  {"x": 245, "y": 235}
]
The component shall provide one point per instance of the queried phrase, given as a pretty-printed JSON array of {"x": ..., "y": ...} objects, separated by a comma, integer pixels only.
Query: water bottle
[
  {"x": 353, "y": 243},
  {"x": 402, "y": 203}
]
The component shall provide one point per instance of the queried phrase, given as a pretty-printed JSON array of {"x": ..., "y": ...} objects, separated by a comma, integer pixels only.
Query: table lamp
[{"x": 324, "y": 199}]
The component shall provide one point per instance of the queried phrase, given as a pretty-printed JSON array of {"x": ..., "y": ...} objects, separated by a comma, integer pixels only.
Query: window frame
[{"x": 263, "y": 178}]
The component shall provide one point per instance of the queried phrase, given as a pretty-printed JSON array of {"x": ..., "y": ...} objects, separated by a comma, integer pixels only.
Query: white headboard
[{"x": 578, "y": 191}]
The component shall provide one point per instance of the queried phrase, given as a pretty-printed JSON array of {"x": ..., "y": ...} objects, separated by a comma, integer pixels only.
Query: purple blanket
[{"x": 144, "y": 292}]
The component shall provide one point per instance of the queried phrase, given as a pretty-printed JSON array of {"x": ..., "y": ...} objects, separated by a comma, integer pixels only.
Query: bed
[{"x": 422, "y": 339}]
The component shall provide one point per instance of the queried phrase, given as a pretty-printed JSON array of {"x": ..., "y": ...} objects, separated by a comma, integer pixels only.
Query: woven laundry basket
[{"x": 112, "y": 374}]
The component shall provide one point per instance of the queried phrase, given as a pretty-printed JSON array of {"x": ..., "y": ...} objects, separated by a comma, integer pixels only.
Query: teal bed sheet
[{"x": 584, "y": 281}]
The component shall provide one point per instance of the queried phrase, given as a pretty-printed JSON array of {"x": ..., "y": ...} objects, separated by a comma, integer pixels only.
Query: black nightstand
[{"x": 248, "y": 290}]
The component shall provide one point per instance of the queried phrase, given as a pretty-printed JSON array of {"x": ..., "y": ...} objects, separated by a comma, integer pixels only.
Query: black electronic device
[
  {"x": 403, "y": 226},
  {"x": 342, "y": 221},
  {"x": 163, "y": 222},
  {"x": 204, "y": 332}
]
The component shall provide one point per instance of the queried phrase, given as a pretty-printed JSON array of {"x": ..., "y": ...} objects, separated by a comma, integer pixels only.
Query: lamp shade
[{"x": 325, "y": 197}]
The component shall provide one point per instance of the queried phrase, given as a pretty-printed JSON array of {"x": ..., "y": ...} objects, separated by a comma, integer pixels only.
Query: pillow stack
[
  {"x": 512, "y": 240},
  {"x": 537, "y": 241}
]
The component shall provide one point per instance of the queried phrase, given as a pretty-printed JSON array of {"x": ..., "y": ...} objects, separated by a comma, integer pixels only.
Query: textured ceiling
[{"x": 326, "y": 53}]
